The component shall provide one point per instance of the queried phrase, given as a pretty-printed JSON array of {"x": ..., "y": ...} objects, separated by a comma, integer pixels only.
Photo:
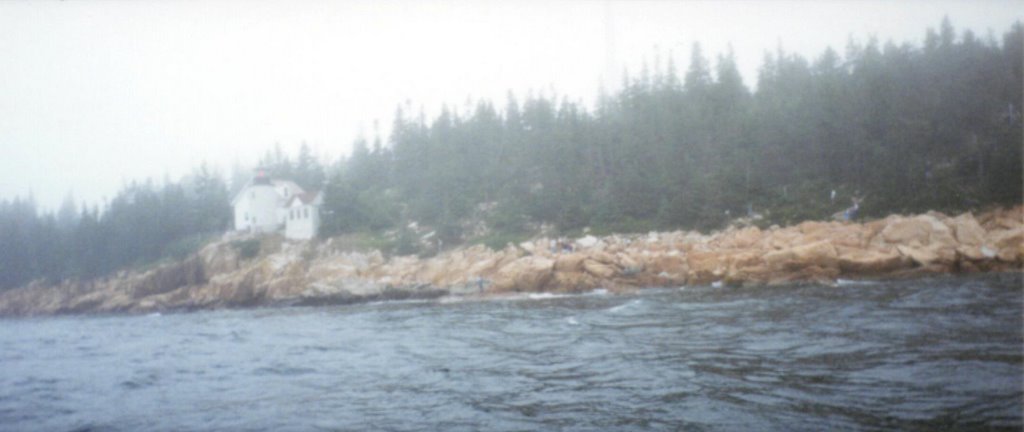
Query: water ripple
[{"x": 942, "y": 353}]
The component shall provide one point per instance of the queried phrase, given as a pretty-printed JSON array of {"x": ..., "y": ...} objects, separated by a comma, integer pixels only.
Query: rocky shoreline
[{"x": 318, "y": 273}]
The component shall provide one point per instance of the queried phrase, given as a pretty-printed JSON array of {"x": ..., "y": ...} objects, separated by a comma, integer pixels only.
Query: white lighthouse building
[{"x": 267, "y": 205}]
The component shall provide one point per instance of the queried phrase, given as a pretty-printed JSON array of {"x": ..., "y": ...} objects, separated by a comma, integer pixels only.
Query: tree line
[
  {"x": 907, "y": 128},
  {"x": 141, "y": 224},
  {"x": 144, "y": 222}
]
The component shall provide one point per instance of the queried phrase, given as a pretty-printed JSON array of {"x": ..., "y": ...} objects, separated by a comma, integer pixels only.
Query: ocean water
[{"x": 942, "y": 353}]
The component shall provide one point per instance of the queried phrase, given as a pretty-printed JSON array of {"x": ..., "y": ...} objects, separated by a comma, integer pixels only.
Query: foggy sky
[{"x": 94, "y": 94}]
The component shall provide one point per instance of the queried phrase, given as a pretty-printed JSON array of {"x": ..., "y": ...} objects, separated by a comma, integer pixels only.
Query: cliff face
[{"x": 302, "y": 273}]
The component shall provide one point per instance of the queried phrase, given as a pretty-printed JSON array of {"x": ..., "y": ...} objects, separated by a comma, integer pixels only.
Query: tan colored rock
[
  {"x": 748, "y": 270},
  {"x": 706, "y": 267},
  {"x": 870, "y": 262},
  {"x": 741, "y": 238},
  {"x": 627, "y": 263},
  {"x": 1009, "y": 244},
  {"x": 574, "y": 282},
  {"x": 820, "y": 254},
  {"x": 1003, "y": 219},
  {"x": 873, "y": 228},
  {"x": 779, "y": 259},
  {"x": 921, "y": 255},
  {"x": 484, "y": 267},
  {"x": 813, "y": 231},
  {"x": 219, "y": 258},
  {"x": 811, "y": 227},
  {"x": 572, "y": 262},
  {"x": 967, "y": 230},
  {"x": 812, "y": 251},
  {"x": 168, "y": 277},
  {"x": 747, "y": 258},
  {"x": 782, "y": 239},
  {"x": 529, "y": 273},
  {"x": 601, "y": 257},
  {"x": 599, "y": 269},
  {"x": 971, "y": 253},
  {"x": 852, "y": 236},
  {"x": 908, "y": 231},
  {"x": 671, "y": 263}
]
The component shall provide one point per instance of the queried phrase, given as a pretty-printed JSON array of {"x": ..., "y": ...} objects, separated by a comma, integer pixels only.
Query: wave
[
  {"x": 853, "y": 282},
  {"x": 624, "y": 306},
  {"x": 545, "y": 296}
]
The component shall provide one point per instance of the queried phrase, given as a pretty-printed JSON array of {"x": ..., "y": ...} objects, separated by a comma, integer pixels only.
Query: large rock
[
  {"x": 820, "y": 254},
  {"x": 627, "y": 263},
  {"x": 574, "y": 282},
  {"x": 529, "y": 273},
  {"x": 921, "y": 255},
  {"x": 219, "y": 258},
  {"x": 742, "y": 238},
  {"x": 599, "y": 269},
  {"x": 779, "y": 259},
  {"x": 169, "y": 277},
  {"x": 672, "y": 262},
  {"x": 974, "y": 253},
  {"x": 870, "y": 262},
  {"x": 813, "y": 231},
  {"x": 758, "y": 274},
  {"x": 706, "y": 267},
  {"x": 569, "y": 262},
  {"x": 1009, "y": 244},
  {"x": 967, "y": 230},
  {"x": 896, "y": 246},
  {"x": 907, "y": 231}
]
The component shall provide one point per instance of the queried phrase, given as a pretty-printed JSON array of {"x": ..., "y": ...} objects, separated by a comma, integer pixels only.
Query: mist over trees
[
  {"x": 141, "y": 224},
  {"x": 909, "y": 128}
]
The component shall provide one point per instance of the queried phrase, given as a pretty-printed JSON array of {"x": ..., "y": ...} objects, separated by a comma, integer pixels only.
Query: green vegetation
[
  {"x": 907, "y": 128},
  {"x": 143, "y": 224}
]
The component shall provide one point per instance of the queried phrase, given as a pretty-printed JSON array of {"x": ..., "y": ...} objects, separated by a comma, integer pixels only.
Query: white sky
[{"x": 97, "y": 93}]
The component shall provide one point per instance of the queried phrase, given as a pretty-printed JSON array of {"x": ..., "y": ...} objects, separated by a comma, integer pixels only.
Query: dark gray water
[{"x": 926, "y": 354}]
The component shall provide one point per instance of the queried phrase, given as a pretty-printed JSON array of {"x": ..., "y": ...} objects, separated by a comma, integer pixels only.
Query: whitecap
[
  {"x": 451, "y": 299},
  {"x": 624, "y": 306},
  {"x": 852, "y": 282},
  {"x": 544, "y": 296}
]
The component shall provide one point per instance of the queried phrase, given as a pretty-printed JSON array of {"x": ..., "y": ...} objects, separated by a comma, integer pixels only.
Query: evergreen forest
[{"x": 906, "y": 128}]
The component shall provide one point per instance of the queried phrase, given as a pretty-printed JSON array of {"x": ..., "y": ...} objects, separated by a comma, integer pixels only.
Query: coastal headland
[{"x": 220, "y": 275}]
